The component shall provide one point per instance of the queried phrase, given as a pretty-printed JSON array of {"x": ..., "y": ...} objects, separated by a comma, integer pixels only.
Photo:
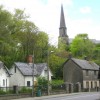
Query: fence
[{"x": 53, "y": 89}]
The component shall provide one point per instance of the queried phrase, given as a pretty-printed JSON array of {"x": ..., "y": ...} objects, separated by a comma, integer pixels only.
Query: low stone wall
[{"x": 13, "y": 96}]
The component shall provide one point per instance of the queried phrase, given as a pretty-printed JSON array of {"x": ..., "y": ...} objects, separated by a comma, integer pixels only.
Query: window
[
  {"x": 87, "y": 72},
  {"x": 3, "y": 82},
  {"x": 15, "y": 69},
  {"x": 28, "y": 83},
  {"x": 91, "y": 84},
  {"x": 95, "y": 84},
  {"x": 95, "y": 72},
  {"x": 87, "y": 84},
  {"x": 6, "y": 82},
  {"x": 99, "y": 83}
]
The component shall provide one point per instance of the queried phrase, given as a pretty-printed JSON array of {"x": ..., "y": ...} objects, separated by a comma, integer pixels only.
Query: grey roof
[
  {"x": 6, "y": 69},
  {"x": 93, "y": 40},
  {"x": 1, "y": 64},
  {"x": 84, "y": 64},
  {"x": 40, "y": 67},
  {"x": 27, "y": 69}
]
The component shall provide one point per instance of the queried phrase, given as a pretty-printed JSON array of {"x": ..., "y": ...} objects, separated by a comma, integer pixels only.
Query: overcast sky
[{"x": 82, "y": 16}]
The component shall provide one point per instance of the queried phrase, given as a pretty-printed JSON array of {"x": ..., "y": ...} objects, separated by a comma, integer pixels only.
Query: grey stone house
[{"x": 81, "y": 71}]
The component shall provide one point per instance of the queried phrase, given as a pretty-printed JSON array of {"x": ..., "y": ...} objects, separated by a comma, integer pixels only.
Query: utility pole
[
  {"x": 48, "y": 73},
  {"x": 49, "y": 52},
  {"x": 33, "y": 75}
]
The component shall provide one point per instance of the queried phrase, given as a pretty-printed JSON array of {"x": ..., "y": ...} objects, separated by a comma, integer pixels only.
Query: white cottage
[
  {"x": 22, "y": 73},
  {"x": 4, "y": 75}
]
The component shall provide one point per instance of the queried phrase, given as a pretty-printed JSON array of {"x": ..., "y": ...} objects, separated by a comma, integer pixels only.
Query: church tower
[{"x": 63, "y": 37}]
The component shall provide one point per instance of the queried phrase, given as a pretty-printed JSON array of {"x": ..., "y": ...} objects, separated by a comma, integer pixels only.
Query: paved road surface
[{"x": 79, "y": 96}]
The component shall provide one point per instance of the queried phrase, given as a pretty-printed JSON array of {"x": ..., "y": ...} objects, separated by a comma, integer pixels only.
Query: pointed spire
[
  {"x": 62, "y": 18},
  {"x": 63, "y": 37}
]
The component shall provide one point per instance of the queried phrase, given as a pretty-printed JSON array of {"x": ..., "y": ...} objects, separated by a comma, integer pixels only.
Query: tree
[
  {"x": 41, "y": 47},
  {"x": 19, "y": 37},
  {"x": 96, "y": 53},
  {"x": 81, "y": 46},
  {"x": 7, "y": 45}
]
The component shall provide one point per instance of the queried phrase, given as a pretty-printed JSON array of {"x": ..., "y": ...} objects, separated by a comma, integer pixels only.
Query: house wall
[
  {"x": 45, "y": 74},
  {"x": 72, "y": 73},
  {"x": 91, "y": 75},
  {"x": 16, "y": 78},
  {"x": 4, "y": 77},
  {"x": 90, "y": 80},
  {"x": 29, "y": 78},
  {"x": 91, "y": 84}
]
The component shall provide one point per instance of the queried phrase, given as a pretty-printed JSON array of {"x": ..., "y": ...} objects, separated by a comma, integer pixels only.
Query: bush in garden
[{"x": 25, "y": 90}]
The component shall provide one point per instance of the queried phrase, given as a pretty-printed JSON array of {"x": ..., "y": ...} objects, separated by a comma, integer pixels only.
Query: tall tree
[{"x": 81, "y": 46}]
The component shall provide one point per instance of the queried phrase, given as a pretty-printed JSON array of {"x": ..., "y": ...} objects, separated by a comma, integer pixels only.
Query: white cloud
[
  {"x": 85, "y": 10},
  {"x": 83, "y": 26},
  {"x": 46, "y": 15}
]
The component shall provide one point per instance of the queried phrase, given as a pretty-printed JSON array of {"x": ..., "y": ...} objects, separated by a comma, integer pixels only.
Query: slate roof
[
  {"x": 26, "y": 68},
  {"x": 6, "y": 69},
  {"x": 1, "y": 64},
  {"x": 84, "y": 64}
]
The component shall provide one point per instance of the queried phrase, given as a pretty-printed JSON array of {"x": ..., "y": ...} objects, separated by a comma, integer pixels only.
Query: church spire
[
  {"x": 62, "y": 18},
  {"x": 62, "y": 28},
  {"x": 63, "y": 37}
]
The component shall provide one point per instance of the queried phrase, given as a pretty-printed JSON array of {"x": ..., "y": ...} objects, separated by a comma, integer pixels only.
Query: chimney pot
[{"x": 30, "y": 59}]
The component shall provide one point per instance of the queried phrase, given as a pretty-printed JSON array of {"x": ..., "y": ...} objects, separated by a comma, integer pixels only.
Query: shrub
[
  {"x": 42, "y": 81},
  {"x": 2, "y": 92},
  {"x": 25, "y": 90},
  {"x": 57, "y": 82}
]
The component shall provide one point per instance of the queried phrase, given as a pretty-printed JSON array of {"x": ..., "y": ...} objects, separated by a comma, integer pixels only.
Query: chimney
[
  {"x": 30, "y": 59},
  {"x": 70, "y": 55}
]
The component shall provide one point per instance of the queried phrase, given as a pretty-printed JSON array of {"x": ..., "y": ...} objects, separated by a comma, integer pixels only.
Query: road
[{"x": 79, "y": 96}]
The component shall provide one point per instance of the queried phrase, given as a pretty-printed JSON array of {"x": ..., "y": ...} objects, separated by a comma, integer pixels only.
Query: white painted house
[
  {"x": 4, "y": 75},
  {"x": 22, "y": 73}
]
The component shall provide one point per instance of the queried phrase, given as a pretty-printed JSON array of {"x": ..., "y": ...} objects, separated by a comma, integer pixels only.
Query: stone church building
[{"x": 63, "y": 37}]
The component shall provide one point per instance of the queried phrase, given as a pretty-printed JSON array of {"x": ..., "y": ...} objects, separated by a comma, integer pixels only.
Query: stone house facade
[{"x": 81, "y": 71}]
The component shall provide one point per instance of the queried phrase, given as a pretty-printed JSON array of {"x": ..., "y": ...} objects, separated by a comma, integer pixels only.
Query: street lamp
[{"x": 48, "y": 71}]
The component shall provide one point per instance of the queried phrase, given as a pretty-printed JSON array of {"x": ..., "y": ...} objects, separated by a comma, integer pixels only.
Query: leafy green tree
[
  {"x": 41, "y": 47},
  {"x": 81, "y": 46},
  {"x": 56, "y": 64},
  {"x": 7, "y": 45},
  {"x": 96, "y": 53},
  {"x": 42, "y": 81}
]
